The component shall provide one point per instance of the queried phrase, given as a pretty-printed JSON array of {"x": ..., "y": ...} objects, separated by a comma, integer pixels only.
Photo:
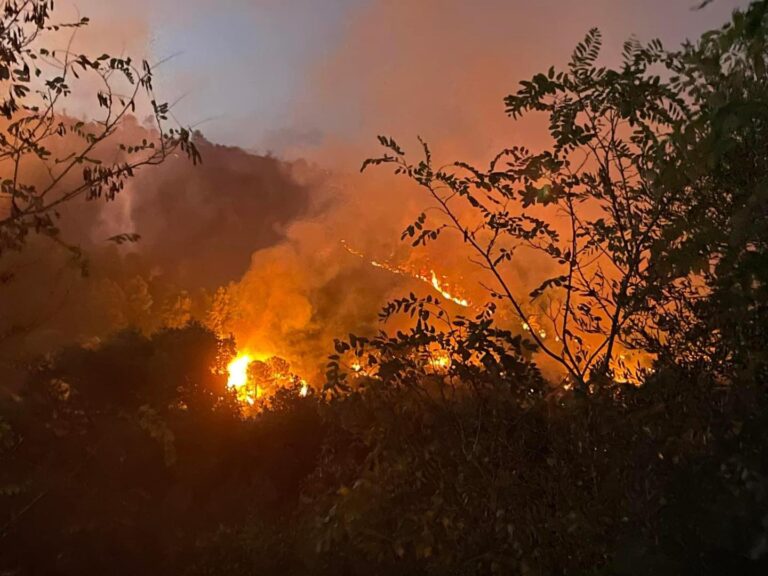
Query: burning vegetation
[
  {"x": 439, "y": 283},
  {"x": 563, "y": 371},
  {"x": 254, "y": 380}
]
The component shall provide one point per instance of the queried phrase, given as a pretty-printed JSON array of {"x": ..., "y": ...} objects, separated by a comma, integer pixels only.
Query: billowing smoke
[
  {"x": 198, "y": 227},
  {"x": 252, "y": 244},
  {"x": 439, "y": 69}
]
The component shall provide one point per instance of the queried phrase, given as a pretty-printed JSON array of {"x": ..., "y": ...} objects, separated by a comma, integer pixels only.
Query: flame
[
  {"x": 239, "y": 379},
  {"x": 250, "y": 388},
  {"x": 626, "y": 369},
  {"x": 431, "y": 278},
  {"x": 447, "y": 295},
  {"x": 238, "y": 371},
  {"x": 442, "y": 361},
  {"x": 632, "y": 367}
]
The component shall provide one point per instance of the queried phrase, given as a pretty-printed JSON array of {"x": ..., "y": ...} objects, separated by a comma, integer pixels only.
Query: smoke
[
  {"x": 252, "y": 244},
  {"x": 436, "y": 68},
  {"x": 198, "y": 228},
  {"x": 276, "y": 75}
]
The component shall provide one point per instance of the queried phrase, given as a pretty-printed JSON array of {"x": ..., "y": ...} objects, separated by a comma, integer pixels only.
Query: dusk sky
[{"x": 287, "y": 76}]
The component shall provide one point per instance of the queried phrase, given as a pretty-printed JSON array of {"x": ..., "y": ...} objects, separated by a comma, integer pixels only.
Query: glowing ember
[
  {"x": 540, "y": 331},
  {"x": 238, "y": 371}
]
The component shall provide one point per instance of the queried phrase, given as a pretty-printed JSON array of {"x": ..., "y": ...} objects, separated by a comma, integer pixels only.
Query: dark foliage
[
  {"x": 133, "y": 457},
  {"x": 442, "y": 449},
  {"x": 119, "y": 459}
]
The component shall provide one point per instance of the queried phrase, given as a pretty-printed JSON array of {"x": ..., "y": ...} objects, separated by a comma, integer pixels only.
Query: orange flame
[
  {"x": 437, "y": 285},
  {"x": 432, "y": 278},
  {"x": 241, "y": 380},
  {"x": 238, "y": 371},
  {"x": 440, "y": 361}
]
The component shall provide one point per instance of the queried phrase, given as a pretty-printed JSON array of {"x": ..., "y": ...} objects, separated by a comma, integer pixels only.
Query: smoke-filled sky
[
  {"x": 315, "y": 80},
  {"x": 297, "y": 76}
]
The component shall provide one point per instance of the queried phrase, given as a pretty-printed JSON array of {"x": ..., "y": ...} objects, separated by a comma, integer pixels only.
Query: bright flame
[
  {"x": 625, "y": 369},
  {"x": 248, "y": 379},
  {"x": 432, "y": 279},
  {"x": 447, "y": 295},
  {"x": 238, "y": 371},
  {"x": 440, "y": 362}
]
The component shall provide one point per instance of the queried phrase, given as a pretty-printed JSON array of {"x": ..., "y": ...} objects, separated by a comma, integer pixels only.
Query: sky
[{"x": 296, "y": 76}]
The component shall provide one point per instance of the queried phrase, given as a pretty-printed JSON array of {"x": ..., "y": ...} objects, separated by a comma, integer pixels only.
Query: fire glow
[
  {"x": 239, "y": 380},
  {"x": 238, "y": 371},
  {"x": 250, "y": 389},
  {"x": 441, "y": 286}
]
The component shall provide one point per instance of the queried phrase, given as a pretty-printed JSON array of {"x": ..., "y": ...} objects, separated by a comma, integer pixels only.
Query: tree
[
  {"x": 625, "y": 206},
  {"x": 76, "y": 158},
  {"x": 716, "y": 320}
]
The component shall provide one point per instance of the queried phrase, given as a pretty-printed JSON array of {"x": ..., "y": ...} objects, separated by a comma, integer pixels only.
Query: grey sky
[{"x": 248, "y": 70}]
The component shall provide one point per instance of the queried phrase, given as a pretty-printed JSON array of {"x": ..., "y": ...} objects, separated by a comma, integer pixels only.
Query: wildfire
[
  {"x": 626, "y": 370},
  {"x": 437, "y": 285},
  {"x": 432, "y": 279},
  {"x": 239, "y": 380},
  {"x": 440, "y": 362},
  {"x": 632, "y": 366},
  {"x": 360, "y": 369},
  {"x": 238, "y": 371},
  {"x": 252, "y": 378}
]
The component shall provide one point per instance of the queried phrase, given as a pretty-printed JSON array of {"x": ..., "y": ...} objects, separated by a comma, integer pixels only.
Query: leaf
[{"x": 120, "y": 239}]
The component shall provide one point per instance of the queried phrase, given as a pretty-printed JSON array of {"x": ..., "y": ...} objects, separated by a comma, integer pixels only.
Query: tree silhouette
[
  {"x": 77, "y": 158},
  {"x": 624, "y": 206}
]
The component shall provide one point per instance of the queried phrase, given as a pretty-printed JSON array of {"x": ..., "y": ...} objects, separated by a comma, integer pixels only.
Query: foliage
[
  {"x": 441, "y": 449},
  {"x": 128, "y": 454},
  {"x": 446, "y": 355},
  {"x": 649, "y": 198},
  {"x": 594, "y": 205},
  {"x": 718, "y": 320},
  {"x": 131, "y": 456},
  {"x": 667, "y": 479},
  {"x": 651, "y": 203},
  {"x": 47, "y": 158}
]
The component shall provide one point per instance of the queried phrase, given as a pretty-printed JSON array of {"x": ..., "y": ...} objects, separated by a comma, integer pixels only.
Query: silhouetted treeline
[{"x": 134, "y": 458}]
